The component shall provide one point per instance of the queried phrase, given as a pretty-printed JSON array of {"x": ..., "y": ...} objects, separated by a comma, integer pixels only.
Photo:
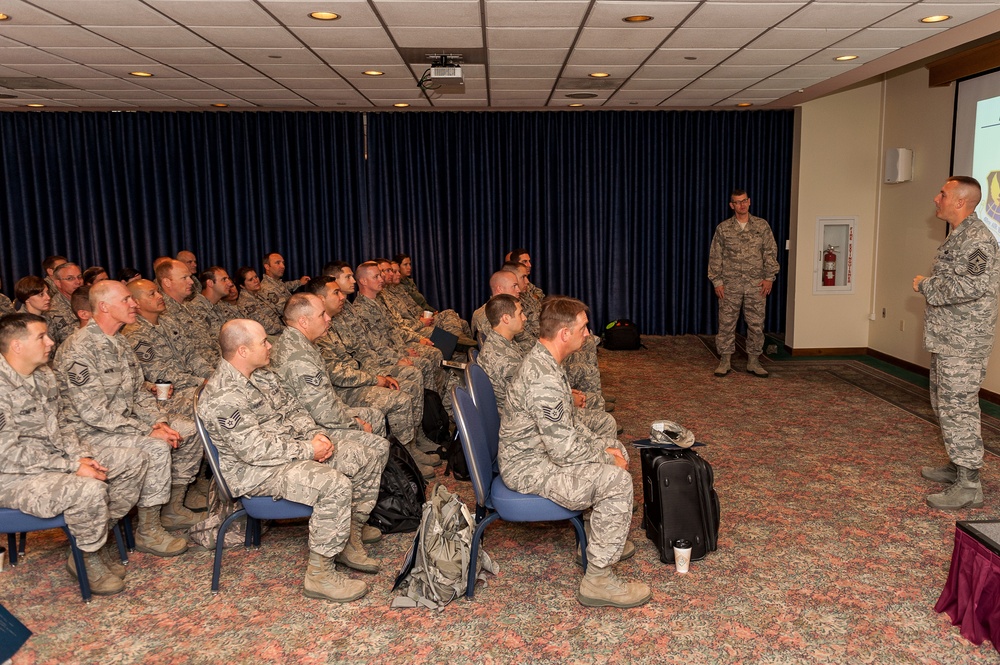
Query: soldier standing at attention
[
  {"x": 959, "y": 329},
  {"x": 742, "y": 265},
  {"x": 543, "y": 451}
]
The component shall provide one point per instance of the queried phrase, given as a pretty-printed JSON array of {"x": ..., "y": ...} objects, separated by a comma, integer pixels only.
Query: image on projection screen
[{"x": 986, "y": 161}]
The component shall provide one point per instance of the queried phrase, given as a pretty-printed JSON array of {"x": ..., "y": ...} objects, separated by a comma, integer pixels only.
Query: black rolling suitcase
[{"x": 679, "y": 501}]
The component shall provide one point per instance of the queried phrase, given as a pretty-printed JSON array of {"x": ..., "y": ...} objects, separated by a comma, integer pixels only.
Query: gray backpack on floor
[{"x": 436, "y": 568}]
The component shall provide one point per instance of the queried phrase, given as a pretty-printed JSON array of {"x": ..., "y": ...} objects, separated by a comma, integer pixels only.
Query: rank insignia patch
[
  {"x": 977, "y": 262},
  {"x": 232, "y": 421},
  {"x": 553, "y": 413}
]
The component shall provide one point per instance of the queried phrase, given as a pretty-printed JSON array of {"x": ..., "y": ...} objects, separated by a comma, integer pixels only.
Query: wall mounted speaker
[{"x": 898, "y": 165}]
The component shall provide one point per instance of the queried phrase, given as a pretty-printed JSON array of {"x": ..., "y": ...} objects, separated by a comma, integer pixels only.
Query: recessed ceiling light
[
  {"x": 935, "y": 19},
  {"x": 401, "y": 105},
  {"x": 845, "y": 58},
  {"x": 4, "y": 17},
  {"x": 220, "y": 105},
  {"x": 575, "y": 105},
  {"x": 36, "y": 106},
  {"x": 638, "y": 18},
  {"x": 744, "y": 104},
  {"x": 324, "y": 16},
  {"x": 599, "y": 75},
  {"x": 582, "y": 95},
  {"x": 140, "y": 74},
  {"x": 373, "y": 72}
]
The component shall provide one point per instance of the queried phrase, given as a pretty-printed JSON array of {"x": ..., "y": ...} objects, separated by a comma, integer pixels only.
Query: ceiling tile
[
  {"x": 54, "y": 35},
  {"x": 530, "y": 71},
  {"x": 607, "y": 56},
  {"x": 814, "y": 71},
  {"x": 284, "y": 56},
  {"x": 399, "y": 71},
  {"x": 690, "y": 56},
  {"x": 26, "y": 55},
  {"x": 960, "y": 12},
  {"x": 750, "y": 73},
  {"x": 304, "y": 86},
  {"x": 189, "y": 56},
  {"x": 842, "y": 15},
  {"x": 883, "y": 37},
  {"x": 107, "y": 83},
  {"x": 259, "y": 83},
  {"x": 536, "y": 13},
  {"x": 104, "y": 12},
  {"x": 655, "y": 84},
  {"x": 732, "y": 85},
  {"x": 769, "y": 56},
  {"x": 826, "y": 56},
  {"x": 296, "y": 71},
  {"x": 526, "y": 56},
  {"x": 374, "y": 38},
  {"x": 270, "y": 37},
  {"x": 665, "y": 14},
  {"x": 521, "y": 84},
  {"x": 612, "y": 37},
  {"x": 173, "y": 36},
  {"x": 745, "y": 14},
  {"x": 793, "y": 38},
  {"x": 233, "y": 13},
  {"x": 776, "y": 82},
  {"x": 103, "y": 56},
  {"x": 353, "y": 13},
  {"x": 29, "y": 14},
  {"x": 449, "y": 39},
  {"x": 219, "y": 71},
  {"x": 671, "y": 71},
  {"x": 366, "y": 58},
  {"x": 711, "y": 37},
  {"x": 530, "y": 38},
  {"x": 429, "y": 13}
]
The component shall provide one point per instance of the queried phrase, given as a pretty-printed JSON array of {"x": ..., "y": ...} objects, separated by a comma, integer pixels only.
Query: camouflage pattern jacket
[
  {"x": 961, "y": 293},
  {"x": 209, "y": 319},
  {"x": 256, "y": 308},
  {"x": 537, "y": 431},
  {"x": 742, "y": 256},
  {"x": 62, "y": 320},
  {"x": 204, "y": 345},
  {"x": 303, "y": 372},
  {"x": 275, "y": 294},
  {"x": 500, "y": 359},
  {"x": 411, "y": 289},
  {"x": 101, "y": 383},
  {"x": 256, "y": 425},
  {"x": 344, "y": 369},
  {"x": 164, "y": 353}
]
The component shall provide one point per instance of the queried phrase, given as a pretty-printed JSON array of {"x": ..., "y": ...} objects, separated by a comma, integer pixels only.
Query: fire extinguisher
[{"x": 830, "y": 266}]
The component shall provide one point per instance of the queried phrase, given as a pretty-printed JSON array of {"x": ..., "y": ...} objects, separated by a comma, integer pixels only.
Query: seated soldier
[
  {"x": 80, "y": 302},
  {"x": 44, "y": 468},
  {"x": 359, "y": 454},
  {"x": 251, "y": 303},
  {"x": 33, "y": 294},
  {"x": 270, "y": 446},
  {"x": 545, "y": 451}
]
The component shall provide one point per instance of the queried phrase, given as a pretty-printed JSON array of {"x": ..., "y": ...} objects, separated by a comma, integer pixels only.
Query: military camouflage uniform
[
  {"x": 403, "y": 408},
  {"x": 264, "y": 439},
  {"x": 256, "y": 308},
  {"x": 229, "y": 310},
  {"x": 204, "y": 344},
  {"x": 164, "y": 353},
  {"x": 209, "y": 319},
  {"x": 61, "y": 317},
  {"x": 39, "y": 458},
  {"x": 6, "y": 306},
  {"x": 959, "y": 330},
  {"x": 299, "y": 365},
  {"x": 276, "y": 293},
  {"x": 106, "y": 404},
  {"x": 738, "y": 261},
  {"x": 447, "y": 319},
  {"x": 543, "y": 450},
  {"x": 411, "y": 290},
  {"x": 501, "y": 358}
]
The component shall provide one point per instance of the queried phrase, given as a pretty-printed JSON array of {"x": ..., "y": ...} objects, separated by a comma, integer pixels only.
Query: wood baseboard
[{"x": 854, "y": 351}]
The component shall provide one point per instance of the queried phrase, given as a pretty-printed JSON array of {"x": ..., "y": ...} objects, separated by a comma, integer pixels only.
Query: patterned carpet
[{"x": 827, "y": 553}]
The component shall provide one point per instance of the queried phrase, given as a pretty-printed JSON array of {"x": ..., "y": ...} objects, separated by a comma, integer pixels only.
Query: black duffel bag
[
  {"x": 400, "y": 494},
  {"x": 621, "y": 335}
]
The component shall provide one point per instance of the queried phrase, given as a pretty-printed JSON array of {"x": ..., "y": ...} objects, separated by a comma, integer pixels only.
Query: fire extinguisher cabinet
[{"x": 834, "y": 258}]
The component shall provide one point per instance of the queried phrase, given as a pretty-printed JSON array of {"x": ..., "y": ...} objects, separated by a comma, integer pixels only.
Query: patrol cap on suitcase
[{"x": 667, "y": 431}]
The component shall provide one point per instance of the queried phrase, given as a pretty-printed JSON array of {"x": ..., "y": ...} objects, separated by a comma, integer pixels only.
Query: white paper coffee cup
[
  {"x": 682, "y": 555},
  {"x": 428, "y": 314},
  {"x": 163, "y": 390}
]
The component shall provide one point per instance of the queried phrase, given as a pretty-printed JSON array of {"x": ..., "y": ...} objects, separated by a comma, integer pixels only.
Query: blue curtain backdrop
[{"x": 617, "y": 208}]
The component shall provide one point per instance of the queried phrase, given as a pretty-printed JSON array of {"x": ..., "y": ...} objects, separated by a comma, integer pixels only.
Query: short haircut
[
  {"x": 381, "y": 260},
  {"x": 63, "y": 268},
  {"x": 81, "y": 299},
  {"x": 334, "y": 268},
  {"x": 516, "y": 254},
  {"x": 317, "y": 285},
  {"x": 50, "y": 262},
  {"x": 558, "y": 312},
  {"x": 15, "y": 326},
  {"x": 500, "y": 305},
  {"x": 211, "y": 274},
  {"x": 91, "y": 274},
  {"x": 164, "y": 268},
  {"x": 737, "y": 192},
  {"x": 512, "y": 266},
  {"x": 300, "y": 304},
  {"x": 970, "y": 189},
  {"x": 101, "y": 291},
  {"x": 28, "y": 287},
  {"x": 499, "y": 277},
  {"x": 241, "y": 275},
  {"x": 365, "y": 269},
  {"x": 125, "y": 274},
  {"x": 268, "y": 255},
  {"x": 399, "y": 258},
  {"x": 159, "y": 260},
  {"x": 234, "y": 334}
]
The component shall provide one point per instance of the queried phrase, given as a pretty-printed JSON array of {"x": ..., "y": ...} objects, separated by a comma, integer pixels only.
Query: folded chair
[
  {"x": 13, "y": 522},
  {"x": 494, "y": 500},
  {"x": 255, "y": 508}
]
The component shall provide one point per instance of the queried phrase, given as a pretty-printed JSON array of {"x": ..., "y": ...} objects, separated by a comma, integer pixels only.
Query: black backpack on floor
[
  {"x": 621, "y": 335},
  {"x": 435, "y": 420},
  {"x": 400, "y": 494}
]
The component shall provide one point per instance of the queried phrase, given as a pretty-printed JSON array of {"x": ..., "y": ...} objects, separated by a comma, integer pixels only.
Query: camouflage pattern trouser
[
  {"x": 325, "y": 489},
  {"x": 428, "y": 361},
  {"x": 167, "y": 466},
  {"x": 87, "y": 504},
  {"x": 396, "y": 406},
  {"x": 606, "y": 490},
  {"x": 450, "y": 320},
  {"x": 584, "y": 374},
  {"x": 735, "y": 297},
  {"x": 373, "y": 417},
  {"x": 955, "y": 383},
  {"x": 361, "y": 457},
  {"x": 599, "y": 422}
]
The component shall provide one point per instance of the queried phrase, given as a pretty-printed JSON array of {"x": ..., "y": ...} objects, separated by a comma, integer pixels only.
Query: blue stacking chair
[
  {"x": 255, "y": 508},
  {"x": 494, "y": 500},
  {"x": 481, "y": 389},
  {"x": 13, "y": 522}
]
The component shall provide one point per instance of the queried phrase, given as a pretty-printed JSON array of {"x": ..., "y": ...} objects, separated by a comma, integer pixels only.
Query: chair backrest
[
  {"x": 470, "y": 431},
  {"x": 486, "y": 402},
  {"x": 473, "y": 354},
  {"x": 211, "y": 453}
]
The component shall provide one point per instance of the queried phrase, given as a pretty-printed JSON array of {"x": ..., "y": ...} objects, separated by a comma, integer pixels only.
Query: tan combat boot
[
  {"x": 724, "y": 366},
  {"x": 628, "y": 551},
  {"x": 600, "y": 587},
  {"x": 175, "y": 515},
  {"x": 197, "y": 495},
  {"x": 322, "y": 581},
  {"x": 102, "y": 581},
  {"x": 427, "y": 448},
  {"x": 946, "y": 475},
  {"x": 754, "y": 367},
  {"x": 111, "y": 558},
  {"x": 354, "y": 554},
  {"x": 370, "y": 534},
  {"x": 152, "y": 538},
  {"x": 966, "y": 492},
  {"x": 426, "y": 471}
]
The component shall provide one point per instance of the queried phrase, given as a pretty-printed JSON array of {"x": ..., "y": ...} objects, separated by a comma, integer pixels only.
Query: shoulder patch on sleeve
[
  {"x": 232, "y": 421},
  {"x": 977, "y": 262},
  {"x": 3, "y": 420},
  {"x": 554, "y": 413},
  {"x": 144, "y": 351},
  {"x": 315, "y": 380},
  {"x": 78, "y": 373}
]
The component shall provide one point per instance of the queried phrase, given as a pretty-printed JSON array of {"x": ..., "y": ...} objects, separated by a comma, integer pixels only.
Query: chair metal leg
[
  {"x": 12, "y": 548},
  {"x": 220, "y": 545},
  {"x": 126, "y": 524},
  {"x": 477, "y": 537},
  {"x": 20, "y": 547},
  {"x": 81, "y": 568},
  {"x": 581, "y": 539},
  {"x": 120, "y": 542}
]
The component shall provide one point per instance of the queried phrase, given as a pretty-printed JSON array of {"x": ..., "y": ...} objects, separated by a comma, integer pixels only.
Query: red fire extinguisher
[{"x": 830, "y": 266}]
